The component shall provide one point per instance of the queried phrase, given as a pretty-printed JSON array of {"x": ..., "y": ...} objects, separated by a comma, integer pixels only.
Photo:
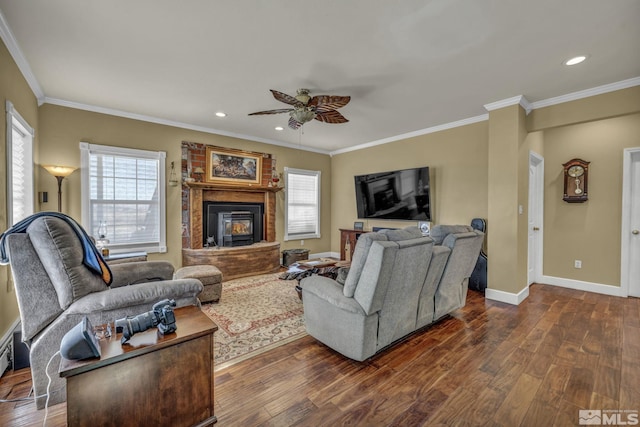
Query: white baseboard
[
  {"x": 5, "y": 346},
  {"x": 324, "y": 255},
  {"x": 579, "y": 285},
  {"x": 516, "y": 299},
  {"x": 507, "y": 297}
]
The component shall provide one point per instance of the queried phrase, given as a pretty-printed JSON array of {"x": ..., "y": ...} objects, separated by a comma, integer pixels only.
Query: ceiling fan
[{"x": 306, "y": 108}]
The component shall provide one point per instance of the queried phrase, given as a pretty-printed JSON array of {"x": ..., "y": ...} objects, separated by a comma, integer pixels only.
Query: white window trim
[
  {"x": 86, "y": 149},
  {"x": 12, "y": 114},
  {"x": 315, "y": 235}
]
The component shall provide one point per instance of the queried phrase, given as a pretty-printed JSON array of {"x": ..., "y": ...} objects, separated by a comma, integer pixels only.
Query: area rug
[{"x": 254, "y": 314}]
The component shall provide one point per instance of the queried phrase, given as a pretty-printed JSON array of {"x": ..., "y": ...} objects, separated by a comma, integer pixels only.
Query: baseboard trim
[
  {"x": 5, "y": 346},
  {"x": 579, "y": 285},
  {"x": 506, "y": 297},
  {"x": 8, "y": 336},
  {"x": 325, "y": 255}
]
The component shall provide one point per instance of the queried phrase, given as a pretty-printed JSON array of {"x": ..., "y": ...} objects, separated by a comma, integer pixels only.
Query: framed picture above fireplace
[{"x": 233, "y": 166}]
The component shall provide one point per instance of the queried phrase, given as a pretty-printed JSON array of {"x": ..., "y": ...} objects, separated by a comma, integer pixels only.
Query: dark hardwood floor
[{"x": 489, "y": 364}]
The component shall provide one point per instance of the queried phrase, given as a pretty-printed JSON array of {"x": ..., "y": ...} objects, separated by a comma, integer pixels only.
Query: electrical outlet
[
  {"x": 577, "y": 263},
  {"x": 301, "y": 242}
]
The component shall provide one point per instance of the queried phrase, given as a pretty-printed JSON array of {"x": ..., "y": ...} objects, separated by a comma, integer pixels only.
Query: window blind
[
  {"x": 302, "y": 192},
  {"x": 20, "y": 190},
  {"x": 124, "y": 190}
]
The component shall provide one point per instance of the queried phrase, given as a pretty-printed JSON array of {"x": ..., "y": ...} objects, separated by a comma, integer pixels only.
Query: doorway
[
  {"x": 535, "y": 217},
  {"x": 630, "y": 268}
]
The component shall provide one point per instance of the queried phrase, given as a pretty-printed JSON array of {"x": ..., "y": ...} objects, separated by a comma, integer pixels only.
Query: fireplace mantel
[
  {"x": 200, "y": 192},
  {"x": 232, "y": 187}
]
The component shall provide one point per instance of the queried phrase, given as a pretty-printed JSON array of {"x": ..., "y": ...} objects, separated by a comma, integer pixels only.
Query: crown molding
[
  {"x": 12, "y": 46},
  {"x": 516, "y": 100},
  {"x": 150, "y": 119},
  {"x": 433, "y": 129},
  {"x": 599, "y": 90}
]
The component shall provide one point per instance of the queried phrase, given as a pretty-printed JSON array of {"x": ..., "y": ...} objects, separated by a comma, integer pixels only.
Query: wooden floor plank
[{"x": 489, "y": 364}]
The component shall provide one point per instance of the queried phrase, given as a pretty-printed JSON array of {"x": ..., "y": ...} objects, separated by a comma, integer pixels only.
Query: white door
[
  {"x": 630, "y": 273},
  {"x": 535, "y": 217}
]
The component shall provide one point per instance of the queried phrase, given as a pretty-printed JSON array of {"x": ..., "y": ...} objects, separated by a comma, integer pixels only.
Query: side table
[
  {"x": 151, "y": 380},
  {"x": 350, "y": 236}
]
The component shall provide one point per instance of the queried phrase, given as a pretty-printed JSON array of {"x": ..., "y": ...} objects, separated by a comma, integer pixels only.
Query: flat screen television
[{"x": 401, "y": 194}]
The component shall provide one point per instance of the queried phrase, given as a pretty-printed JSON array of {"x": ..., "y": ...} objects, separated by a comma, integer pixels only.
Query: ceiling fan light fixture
[
  {"x": 303, "y": 96},
  {"x": 303, "y": 115}
]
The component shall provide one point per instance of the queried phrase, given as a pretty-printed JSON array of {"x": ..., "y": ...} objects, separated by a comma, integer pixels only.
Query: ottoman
[{"x": 210, "y": 277}]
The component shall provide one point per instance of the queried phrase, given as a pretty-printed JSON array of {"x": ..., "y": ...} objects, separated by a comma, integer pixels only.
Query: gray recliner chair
[{"x": 55, "y": 290}]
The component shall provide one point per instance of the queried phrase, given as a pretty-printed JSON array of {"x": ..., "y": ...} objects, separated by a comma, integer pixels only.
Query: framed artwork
[
  {"x": 233, "y": 166},
  {"x": 358, "y": 225}
]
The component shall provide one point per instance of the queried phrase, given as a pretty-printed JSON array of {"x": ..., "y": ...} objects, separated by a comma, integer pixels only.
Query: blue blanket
[{"x": 92, "y": 257}]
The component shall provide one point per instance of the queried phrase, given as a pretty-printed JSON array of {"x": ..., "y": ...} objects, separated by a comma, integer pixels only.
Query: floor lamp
[{"x": 60, "y": 172}]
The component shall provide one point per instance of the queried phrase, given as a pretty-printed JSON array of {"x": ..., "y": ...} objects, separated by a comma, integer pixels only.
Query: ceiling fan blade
[
  {"x": 328, "y": 102},
  {"x": 331, "y": 116},
  {"x": 281, "y": 110},
  {"x": 294, "y": 124},
  {"x": 287, "y": 99}
]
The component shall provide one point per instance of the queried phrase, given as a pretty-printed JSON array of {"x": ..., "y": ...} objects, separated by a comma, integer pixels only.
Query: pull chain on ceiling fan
[{"x": 306, "y": 108}]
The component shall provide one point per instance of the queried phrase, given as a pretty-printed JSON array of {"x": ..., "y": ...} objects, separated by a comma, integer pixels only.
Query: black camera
[{"x": 161, "y": 316}]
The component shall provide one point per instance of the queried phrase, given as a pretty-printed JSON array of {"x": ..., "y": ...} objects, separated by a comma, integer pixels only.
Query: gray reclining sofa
[{"x": 399, "y": 281}]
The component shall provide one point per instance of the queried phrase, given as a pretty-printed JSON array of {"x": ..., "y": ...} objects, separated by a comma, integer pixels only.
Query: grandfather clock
[{"x": 576, "y": 178}]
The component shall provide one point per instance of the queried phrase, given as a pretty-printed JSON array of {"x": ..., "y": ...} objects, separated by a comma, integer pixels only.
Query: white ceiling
[{"x": 408, "y": 65}]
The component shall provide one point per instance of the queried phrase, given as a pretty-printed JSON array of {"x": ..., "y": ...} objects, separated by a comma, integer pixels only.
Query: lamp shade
[{"x": 62, "y": 171}]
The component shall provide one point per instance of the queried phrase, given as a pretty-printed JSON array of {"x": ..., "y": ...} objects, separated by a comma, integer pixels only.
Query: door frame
[
  {"x": 535, "y": 211},
  {"x": 630, "y": 155}
]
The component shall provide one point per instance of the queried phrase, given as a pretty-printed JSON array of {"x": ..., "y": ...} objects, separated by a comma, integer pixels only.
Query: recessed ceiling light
[
  {"x": 221, "y": 114},
  {"x": 576, "y": 60},
  {"x": 278, "y": 128}
]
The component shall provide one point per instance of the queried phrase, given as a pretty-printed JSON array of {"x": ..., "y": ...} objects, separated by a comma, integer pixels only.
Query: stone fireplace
[{"x": 260, "y": 256}]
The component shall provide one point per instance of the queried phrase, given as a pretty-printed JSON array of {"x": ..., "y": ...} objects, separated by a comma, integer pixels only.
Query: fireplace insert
[
  {"x": 235, "y": 228},
  {"x": 232, "y": 224}
]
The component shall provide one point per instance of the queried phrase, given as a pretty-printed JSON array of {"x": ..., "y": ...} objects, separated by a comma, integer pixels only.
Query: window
[
  {"x": 19, "y": 166},
  {"x": 302, "y": 200},
  {"x": 123, "y": 189}
]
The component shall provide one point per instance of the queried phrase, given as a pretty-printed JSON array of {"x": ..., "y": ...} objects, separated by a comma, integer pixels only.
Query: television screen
[{"x": 402, "y": 194}]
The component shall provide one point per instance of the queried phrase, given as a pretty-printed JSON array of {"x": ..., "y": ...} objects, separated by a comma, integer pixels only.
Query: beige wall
[
  {"x": 597, "y": 128},
  {"x": 589, "y": 231},
  {"x": 506, "y": 255},
  {"x": 14, "y": 88},
  {"x": 62, "y": 129},
  {"x": 457, "y": 159}
]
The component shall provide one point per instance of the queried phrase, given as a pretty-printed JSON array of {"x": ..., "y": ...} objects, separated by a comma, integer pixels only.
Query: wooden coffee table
[{"x": 151, "y": 380}]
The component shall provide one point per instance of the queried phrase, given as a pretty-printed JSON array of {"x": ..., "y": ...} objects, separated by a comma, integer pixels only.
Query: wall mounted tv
[{"x": 402, "y": 194}]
